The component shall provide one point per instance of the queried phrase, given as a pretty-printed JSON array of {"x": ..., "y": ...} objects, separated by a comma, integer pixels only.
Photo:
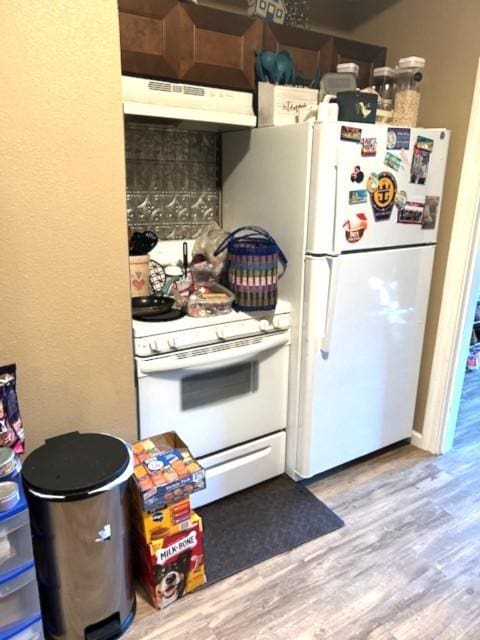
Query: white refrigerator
[{"x": 356, "y": 210}]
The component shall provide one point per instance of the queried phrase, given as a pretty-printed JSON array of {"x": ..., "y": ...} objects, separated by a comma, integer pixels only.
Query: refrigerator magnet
[
  {"x": 424, "y": 143},
  {"x": 393, "y": 161},
  {"x": 419, "y": 168},
  {"x": 430, "y": 212},
  {"x": 411, "y": 213},
  {"x": 420, "y": 160},
  {"x": 369, "y": 147},
  {"x": 405, "y": 159},
  {"x": 398, "y": 138},
  {"x": 401, "y": 199},
  {"x": 383, "y": 198},
  {"x": 372, "y": 183},
  {"x": 355, "y": 226},
  {"x": 359, "y": 196},
  {"x": 351, "y": 134},
  {"x": 357, "y": 174}
]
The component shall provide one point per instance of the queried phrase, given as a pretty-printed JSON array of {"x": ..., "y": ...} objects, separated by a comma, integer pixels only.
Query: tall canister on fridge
[
  {"x": 384, "y": 85},
  {"x": 76, "y": 486},
  {"x": 408, "y": 90}
]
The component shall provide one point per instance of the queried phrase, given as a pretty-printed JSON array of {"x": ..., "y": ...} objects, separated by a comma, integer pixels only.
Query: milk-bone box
[
  {"x": 165, "y": 471},
  {"x": 167, "y": 549}
]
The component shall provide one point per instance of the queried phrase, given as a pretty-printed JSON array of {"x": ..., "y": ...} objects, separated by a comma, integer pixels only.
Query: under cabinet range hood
[{"x": 205, "y": 107}]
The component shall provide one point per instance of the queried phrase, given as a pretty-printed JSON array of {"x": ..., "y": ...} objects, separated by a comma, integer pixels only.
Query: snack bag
[{"x": 11, "y": 428}]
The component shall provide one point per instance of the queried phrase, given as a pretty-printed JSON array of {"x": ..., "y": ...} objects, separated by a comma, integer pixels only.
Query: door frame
[{"x": 462, "y": 278}]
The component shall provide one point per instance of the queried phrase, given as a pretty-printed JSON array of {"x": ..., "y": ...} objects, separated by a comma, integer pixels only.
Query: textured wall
[
  {"x": 447, "y": 36},
  {"x": 64, "y": 289}
]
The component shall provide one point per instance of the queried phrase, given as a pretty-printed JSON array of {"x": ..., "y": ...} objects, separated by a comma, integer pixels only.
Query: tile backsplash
[{"x": 173, "y": 179}]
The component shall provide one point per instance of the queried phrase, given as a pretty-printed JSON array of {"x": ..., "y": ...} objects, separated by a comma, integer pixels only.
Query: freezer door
[
  {"x": 360, "y": 355},
  {"x": 375, "y": 186}
]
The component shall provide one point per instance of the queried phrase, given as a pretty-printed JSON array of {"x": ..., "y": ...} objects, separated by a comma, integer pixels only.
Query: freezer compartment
[
  {"x": 241, "y": 467},
  {"x": 374, "y": 186},
  {"x": 360, "y": 354}
]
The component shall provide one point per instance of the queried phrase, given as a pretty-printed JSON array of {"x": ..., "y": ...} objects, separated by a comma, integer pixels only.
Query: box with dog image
[
  {"x": 173, "y": 565},
  {"x": 165, "y": 470}
]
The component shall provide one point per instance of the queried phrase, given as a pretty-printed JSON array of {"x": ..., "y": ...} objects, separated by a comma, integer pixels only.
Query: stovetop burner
[{"x": 173, "y": 314}]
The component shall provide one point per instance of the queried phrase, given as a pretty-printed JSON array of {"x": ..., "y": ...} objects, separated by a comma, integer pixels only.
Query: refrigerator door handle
[{"x": 334, "y": 265}]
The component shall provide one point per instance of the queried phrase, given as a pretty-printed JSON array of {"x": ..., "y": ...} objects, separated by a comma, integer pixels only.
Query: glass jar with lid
[
  {"x": 384, "y": 85},
  {"x": 407, "y": 94}
]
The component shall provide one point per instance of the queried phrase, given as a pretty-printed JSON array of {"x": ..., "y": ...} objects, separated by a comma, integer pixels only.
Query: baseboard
[{"x": 417, "y": 439}]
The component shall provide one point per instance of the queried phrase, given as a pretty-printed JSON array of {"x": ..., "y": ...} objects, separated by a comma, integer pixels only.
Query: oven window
[{"x": 219, "y": 385}]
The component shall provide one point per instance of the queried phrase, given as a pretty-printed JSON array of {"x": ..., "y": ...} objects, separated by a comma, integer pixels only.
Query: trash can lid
[{"x": 75, "y": 463}]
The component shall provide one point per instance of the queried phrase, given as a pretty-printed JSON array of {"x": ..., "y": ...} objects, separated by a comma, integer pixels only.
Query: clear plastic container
[
  {"x": 18, "y": 600},
  {"x": 209, "y": 299},
  {"x": 204, "y": 272},
  {"x": 384, "y": 85},
  {"x": 349, "y": 67},
  {"x": 15, "y": 543},
  {"x": 407, "y": 94}
]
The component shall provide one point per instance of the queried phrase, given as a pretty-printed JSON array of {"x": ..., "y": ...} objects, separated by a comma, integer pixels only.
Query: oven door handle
[{"x": 213, "y": 359}]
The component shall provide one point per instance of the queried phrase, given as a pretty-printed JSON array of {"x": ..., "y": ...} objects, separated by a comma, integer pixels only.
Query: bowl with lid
[{"x": 8, "y": 462}]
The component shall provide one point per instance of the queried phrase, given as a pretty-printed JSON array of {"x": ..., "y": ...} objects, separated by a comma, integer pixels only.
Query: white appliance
[
  {"x": 221, "y": 383},
  {"x": 358, "y": 278},
  {"x": 206, "y": 107}
]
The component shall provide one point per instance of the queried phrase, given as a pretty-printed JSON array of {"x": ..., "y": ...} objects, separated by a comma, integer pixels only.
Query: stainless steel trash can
[{"x": 76, "y": 486}]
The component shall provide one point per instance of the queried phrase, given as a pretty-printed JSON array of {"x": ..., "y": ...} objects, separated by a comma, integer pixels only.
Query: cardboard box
[
  {"x": 165, "y": 471},
  {"x": 173, "y": 565},
  {"x": 280, "y": 105},
  {"x": 151, "y": 526}
]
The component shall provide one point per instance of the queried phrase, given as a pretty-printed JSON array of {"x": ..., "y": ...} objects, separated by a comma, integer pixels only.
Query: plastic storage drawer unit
[
  {"x": 18, "y": 600},
  {"x": 15, "y": 543},
  {"x": 31, "y": 629}
]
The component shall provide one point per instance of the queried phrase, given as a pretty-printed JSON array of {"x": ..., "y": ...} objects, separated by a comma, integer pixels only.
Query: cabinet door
[
  {"x": 145, "y": 37},
  {"x": 188, "y": 43},
  {"x": 310, "y": 50},
  {"x": 367, "y": 56},
  {"x": 221, "y": 48}
]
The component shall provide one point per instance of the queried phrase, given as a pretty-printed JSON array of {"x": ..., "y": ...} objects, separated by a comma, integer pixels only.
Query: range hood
[{"x": 204, "y": 107}]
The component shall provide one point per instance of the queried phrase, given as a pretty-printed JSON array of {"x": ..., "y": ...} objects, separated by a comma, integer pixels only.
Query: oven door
[{"x": 216, "y": 396}]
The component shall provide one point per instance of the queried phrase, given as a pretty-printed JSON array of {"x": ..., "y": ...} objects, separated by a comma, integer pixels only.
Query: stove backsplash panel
[{"x": 173, "y": 179}]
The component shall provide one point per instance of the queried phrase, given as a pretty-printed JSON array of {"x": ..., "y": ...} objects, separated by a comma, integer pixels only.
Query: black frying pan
[{"x": 151, "y": 306}]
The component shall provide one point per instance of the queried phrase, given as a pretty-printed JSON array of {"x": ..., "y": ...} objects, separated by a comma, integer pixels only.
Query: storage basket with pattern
[{"x": 252, "y": 268}]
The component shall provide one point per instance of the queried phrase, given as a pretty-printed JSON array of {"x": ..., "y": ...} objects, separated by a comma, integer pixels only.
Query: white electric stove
[{"x": 222, "y": 384}]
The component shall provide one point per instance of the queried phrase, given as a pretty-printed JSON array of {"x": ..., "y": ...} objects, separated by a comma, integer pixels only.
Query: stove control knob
[
  {"x": 159, "y": 346},
  {"x": 281, "y": 322},
  {"x": 221, "y": 333},
  {"x": 264, "y": 325},
  {"x": 173, "y": 343}
]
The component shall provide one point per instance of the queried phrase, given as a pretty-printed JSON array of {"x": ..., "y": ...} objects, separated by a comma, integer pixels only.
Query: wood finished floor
[{"x": 405, "y": 567}]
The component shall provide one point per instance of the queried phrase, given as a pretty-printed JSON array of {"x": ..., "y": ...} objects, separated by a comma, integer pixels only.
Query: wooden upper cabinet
[
  {"x": 184, "y": 42},
  {"x": 145, "y": 28},
  {"x": 310, "y": 50},
  {"x": 367, "y": 56},
  {"x": 188, "y": 43},
  {"x": 221, "y": 49}
]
